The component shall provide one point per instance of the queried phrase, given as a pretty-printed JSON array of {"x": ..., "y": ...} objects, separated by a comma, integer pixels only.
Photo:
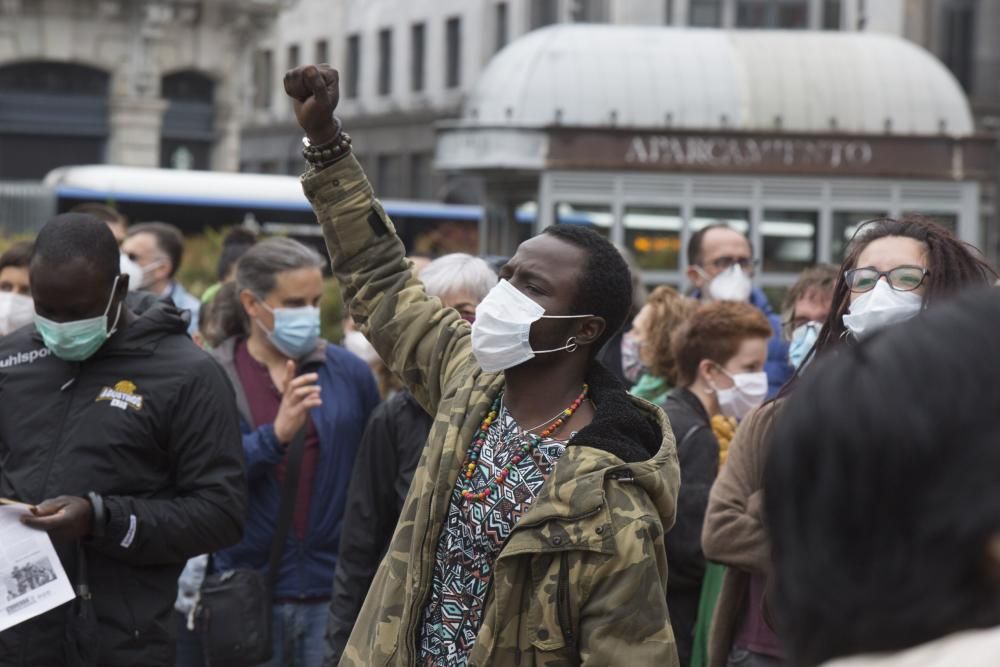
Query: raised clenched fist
[{"x": 315, "y": 92}]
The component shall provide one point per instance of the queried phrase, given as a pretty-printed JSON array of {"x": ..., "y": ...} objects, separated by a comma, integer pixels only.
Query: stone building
[{"x": 130, "y": 82}]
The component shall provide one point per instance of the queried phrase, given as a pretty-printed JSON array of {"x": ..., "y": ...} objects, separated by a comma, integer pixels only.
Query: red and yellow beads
[{"x": 527, "y": 448}]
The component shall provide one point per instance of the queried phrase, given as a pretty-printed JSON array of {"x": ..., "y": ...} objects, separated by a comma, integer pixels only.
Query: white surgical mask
[
  {"x": 880, "y": 307},
  {"x": 501, "y": 332},
  {"x": 632, "y": 366},
  {"x": 731, "y": 285},
  {"x": 133, "y": 271},
  {"x": 16, "y": 311},
  {"x": 748, "y": 392}
]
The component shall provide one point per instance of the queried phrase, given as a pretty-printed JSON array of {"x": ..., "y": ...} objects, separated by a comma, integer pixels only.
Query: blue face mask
[
  {"x": 80, "y": 339},
  {"x": 296, "y": 330},
  {"x": 803, "y": 339}
]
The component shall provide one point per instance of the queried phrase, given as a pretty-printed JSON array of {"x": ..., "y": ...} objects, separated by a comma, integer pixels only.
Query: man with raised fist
[{"x": 533, "y": 532}]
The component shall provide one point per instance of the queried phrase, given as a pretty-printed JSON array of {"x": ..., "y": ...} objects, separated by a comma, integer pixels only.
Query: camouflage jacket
[{"x": 582, "y": 578}]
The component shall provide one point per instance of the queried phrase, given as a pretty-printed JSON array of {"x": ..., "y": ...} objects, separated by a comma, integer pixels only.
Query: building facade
[
  {"x": 618, "y": 128},
  {"x": 408, "y": 66},
  {"x": 130, "y": 82}
]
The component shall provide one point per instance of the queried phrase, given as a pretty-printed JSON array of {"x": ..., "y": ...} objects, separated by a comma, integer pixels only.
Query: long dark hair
[
  {"x": 953, "y": 265},
  {"x": 882, "y": 489}
]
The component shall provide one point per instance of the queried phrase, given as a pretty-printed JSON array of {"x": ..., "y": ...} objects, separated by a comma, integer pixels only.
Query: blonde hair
[{"x": 669, "y": 309}]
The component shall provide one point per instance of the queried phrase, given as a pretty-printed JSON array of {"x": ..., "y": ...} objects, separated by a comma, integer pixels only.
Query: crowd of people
[{"x": 536, "y": 465}]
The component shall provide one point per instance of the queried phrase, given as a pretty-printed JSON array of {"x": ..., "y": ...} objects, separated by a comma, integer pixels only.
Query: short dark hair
[
  {"x": 605, "y": 289},
  {"x": 234, "y": 245},
  {"x": 883, "y": 488},
  {"x": 72, "y": 236},
  {"x": 169, "y": 240},
  {"x": 17, "y": 255},
  {"x": 103, "y": 212},
  {"x": 696, "y": 245}
]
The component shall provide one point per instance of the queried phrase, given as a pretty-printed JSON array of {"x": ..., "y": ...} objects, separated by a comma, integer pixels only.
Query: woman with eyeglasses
[
  {"x": 894, "y": 269},
  {"x": 903, "y": 570}
]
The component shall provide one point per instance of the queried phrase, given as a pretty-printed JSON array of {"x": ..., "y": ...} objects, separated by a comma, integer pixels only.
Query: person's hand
[
  {"x": 299, "y": 395},
  {"x": 65, "y": 518},
  {"x": 315, "y": 92}
]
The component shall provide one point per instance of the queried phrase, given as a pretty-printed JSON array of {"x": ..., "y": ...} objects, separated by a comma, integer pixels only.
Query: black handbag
[{"x": 234, "y": 608}]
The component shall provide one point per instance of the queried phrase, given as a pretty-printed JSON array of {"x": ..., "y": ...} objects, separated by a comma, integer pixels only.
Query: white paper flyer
[{"x": 32, "y": 580}]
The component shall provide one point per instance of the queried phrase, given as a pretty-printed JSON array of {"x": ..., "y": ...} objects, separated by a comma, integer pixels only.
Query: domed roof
[{"x": 654, "y": 77}]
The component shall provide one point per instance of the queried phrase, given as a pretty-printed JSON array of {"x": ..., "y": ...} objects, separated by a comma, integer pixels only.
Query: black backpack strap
[{"x": 293, "y": 470}]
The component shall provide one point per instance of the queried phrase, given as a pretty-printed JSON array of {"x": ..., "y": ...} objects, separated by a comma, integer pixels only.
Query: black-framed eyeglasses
[
  {"x": 726, "y": 261},
  {"x": 902, "y": 278}
]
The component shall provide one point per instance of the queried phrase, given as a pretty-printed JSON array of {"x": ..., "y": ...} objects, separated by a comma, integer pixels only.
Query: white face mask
[
  {"x": 882, "y": 306},
  {"x": 501, "y": 332},
  {"x": 133, "y": 271},
  {"x": 16, "y": 311},
  {"x": 748, "y": 392},
  {"x": 731, "y": 285}
]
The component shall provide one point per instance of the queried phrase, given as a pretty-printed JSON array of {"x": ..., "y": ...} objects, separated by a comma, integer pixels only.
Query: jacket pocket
[{"x": 553, "y": 617}]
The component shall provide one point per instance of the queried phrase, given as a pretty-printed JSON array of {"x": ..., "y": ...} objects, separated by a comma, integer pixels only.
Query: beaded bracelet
[{"x": 326, "y": 154}]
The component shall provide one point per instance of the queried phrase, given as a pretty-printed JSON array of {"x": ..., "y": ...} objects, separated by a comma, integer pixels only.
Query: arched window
[
  {"x": 51, "y": 114},
  {"x": 189, "y": 123}
]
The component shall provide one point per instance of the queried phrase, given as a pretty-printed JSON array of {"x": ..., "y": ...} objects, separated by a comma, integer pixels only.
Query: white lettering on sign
[{"x": 711, "y": 151}]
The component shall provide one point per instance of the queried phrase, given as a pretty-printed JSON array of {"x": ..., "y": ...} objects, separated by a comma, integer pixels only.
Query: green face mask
[{"x": 80, "y": 339}]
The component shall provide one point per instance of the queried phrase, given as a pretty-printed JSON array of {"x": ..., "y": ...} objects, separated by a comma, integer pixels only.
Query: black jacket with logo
[{"x": 149, "y": 423}]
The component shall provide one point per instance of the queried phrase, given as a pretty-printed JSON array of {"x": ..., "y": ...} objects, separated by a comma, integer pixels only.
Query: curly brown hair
[
  {"x": 715, "y": 331},
  {"x": 666, "y": 309}
]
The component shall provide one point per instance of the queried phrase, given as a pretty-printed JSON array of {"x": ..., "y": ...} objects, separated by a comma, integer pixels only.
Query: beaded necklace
[{"x": 527, "y": 448}]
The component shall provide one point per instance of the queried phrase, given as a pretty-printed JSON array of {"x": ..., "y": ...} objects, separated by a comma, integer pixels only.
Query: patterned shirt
[{"x": 474, "y": 532}]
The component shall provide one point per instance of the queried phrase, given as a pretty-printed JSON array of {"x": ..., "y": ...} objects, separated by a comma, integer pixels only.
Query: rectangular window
[
  {"x": 589, "y": 11},
  {"x": 293, "y": 56},
  {"x": 654, "y": 237},
  {"x": 668, "y": 12},
  {"x": 384, "y": 61},
  {"x": 388, "y": 175},
  {"x": 789, "y": 240},
  {"x": 831, "y": 14},
  {"x": 845, "y": 225},
  {"x": 597, "y": 217},
  {"x": 453, "y": 52},
  {"x": 786, "y": 14},
  {"x": 543, "y": 13},
  {"x": 421, "y": 176},
  {"x": 418, "y": 48},
  {"x": 322, "y": 51},
  {"x": 705, "y": 13},
  {"x": 947, "y": 220},
  {"x": 263, "y": 74},
  {"x": 500, "y": 28},
  {"x": 793, "y": 16},
  {"x": 353, "y": 67},
  {"x": 959, "y": 40}
]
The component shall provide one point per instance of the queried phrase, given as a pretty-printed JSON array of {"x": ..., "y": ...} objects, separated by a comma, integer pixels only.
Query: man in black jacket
[{"x": 125, "y": 437}]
